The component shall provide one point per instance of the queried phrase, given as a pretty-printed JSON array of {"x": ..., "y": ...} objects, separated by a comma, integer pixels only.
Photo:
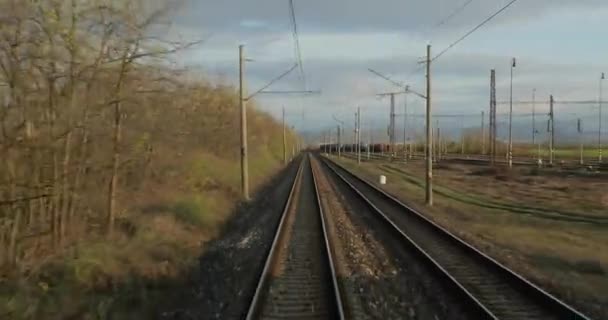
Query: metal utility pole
[
  {"x": 284, "y": 139},
  {"x": 405, "y": 128},
  {"x": 392, "y": 126},
  {"x": 354, "y": 145},
  {"x": 329, "y": 139},
  {"x": 580, "y": 138},
  {"x": 483, "y": 134},
  {"x": 510, "y": 154},
  {"x": 424, "y": 146},
  {"x": 340, "y": 131},
  {"x": 539, "y": 160},
  {"x": 358, "y": 135},
  {"x": 406, "y": 91},
  {"x": 493, "y": 125},
  {"x": 429, "y": 131},
  {"x": 599, "y": 132},
  {"x": 534, "y": 130},
  {"x": 342, "y": 137},
  {"x": 533, "y": 116},
  {"x": 328, "y": 143},
  {"x": 552, "y": 130},
  {"x": 243, "y": 103},
  {"x": 461, "y": 136},
  {"x": 339, "y": 141},
  {"x": 390, "y": 130},
  {"x": 438, "y": 149},
  {"x": 369, "y": 142},
  {"x": 243, "y": 98}
]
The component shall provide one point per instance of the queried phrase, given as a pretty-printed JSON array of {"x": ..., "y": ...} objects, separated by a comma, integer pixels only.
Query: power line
[
  {"x": 273, "y": 81},
  {"x": 438, "y": 24},
  {"x": 453, "y": 14},
  {"x": 445, "y": 20},
  {"x": 297, "y": 51},
  {"x": 415, "y": 71},
  {"x": 296, "y": 39},
  {"x": 465, "y": 115},
  {"x": 474, "y": 29}
]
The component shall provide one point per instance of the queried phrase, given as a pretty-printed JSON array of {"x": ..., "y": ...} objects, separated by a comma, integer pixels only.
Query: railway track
[
  {"x": 569, "y": 164},
  {"x": 489, "y": 289},
  {"x": 472, "y": 159},
  {"x": 299, "y": 279}
]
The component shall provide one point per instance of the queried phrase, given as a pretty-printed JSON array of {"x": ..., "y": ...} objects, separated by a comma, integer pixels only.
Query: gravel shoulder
[
  {"x": 381, "y": 280},
  {"x": 229, "y": 267}
]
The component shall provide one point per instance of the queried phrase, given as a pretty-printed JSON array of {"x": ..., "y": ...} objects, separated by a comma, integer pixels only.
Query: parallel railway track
[
  {"x": 299, "y": 280},
  {"x": 489, "y": 289},
  {"x": 569, "y": 164}
]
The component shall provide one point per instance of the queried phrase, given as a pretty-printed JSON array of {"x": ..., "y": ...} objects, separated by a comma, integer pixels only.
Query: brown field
[{"x": 553, "y": 229}]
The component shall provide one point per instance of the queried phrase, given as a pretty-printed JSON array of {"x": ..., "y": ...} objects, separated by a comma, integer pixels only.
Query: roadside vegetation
[{"x": 116, "y": 168}]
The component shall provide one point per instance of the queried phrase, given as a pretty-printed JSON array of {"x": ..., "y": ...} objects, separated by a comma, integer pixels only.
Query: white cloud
[{"x": 554, "y": 40}]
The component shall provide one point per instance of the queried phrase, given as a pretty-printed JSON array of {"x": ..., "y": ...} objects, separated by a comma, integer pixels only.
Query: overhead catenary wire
[
  {"x": 296, "y": 40},
  {"x": 453, "y": 14},
  {"x": 442, "y": 22},
  {"x": 273, "y": 81},
  {"x": 469, "y": 115},
  {"x": 298, "y": 54},
  {"x": 466, "y": 35}
]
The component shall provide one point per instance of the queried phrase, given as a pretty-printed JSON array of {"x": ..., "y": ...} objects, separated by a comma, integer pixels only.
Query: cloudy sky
[{"x": 561, "y": 48}]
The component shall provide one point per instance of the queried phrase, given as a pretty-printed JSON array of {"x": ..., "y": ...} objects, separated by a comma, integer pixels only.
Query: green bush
[{"x": 191, "y": 211}]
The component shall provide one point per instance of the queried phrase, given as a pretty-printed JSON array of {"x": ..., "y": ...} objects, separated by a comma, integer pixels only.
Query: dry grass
[
  {"x": 521, "y": 187},
  {"x": 568, "y": 258}
]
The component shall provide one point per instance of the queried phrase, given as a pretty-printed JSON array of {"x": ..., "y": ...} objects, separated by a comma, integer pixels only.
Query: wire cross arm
[
  {"x": 337, "y": 120},
  {"x": 307, "y": 92},
  {"x": 408, "y": 90},
  {"x": 554, "y": 102},
  {"x": 283, "y": 75},
  {"x": 398, "y": 84}
]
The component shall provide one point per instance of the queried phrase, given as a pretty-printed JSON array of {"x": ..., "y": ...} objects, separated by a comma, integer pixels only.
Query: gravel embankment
[
  {"x": 231, "y": 264},
  {"x": 382, "y": 280}
]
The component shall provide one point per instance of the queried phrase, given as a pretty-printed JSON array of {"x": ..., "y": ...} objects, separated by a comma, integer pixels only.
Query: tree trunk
[
  {"x": 12, "y": 244},
  {"x": 76, "y": 184},
  {"x": 115, "y": 162},
  {"x": 66, "y": 195},
  {"x": 52, "y": 187},
  {"x": 12, "y": 208},
  {"x": 54, "y": 203},
  {"x": 111, "y": 216},
  {"x": 65, "y": 189}
]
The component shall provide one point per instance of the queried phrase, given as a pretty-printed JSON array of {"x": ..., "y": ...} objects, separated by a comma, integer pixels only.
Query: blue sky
[{"x": 561, "y": 47}]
